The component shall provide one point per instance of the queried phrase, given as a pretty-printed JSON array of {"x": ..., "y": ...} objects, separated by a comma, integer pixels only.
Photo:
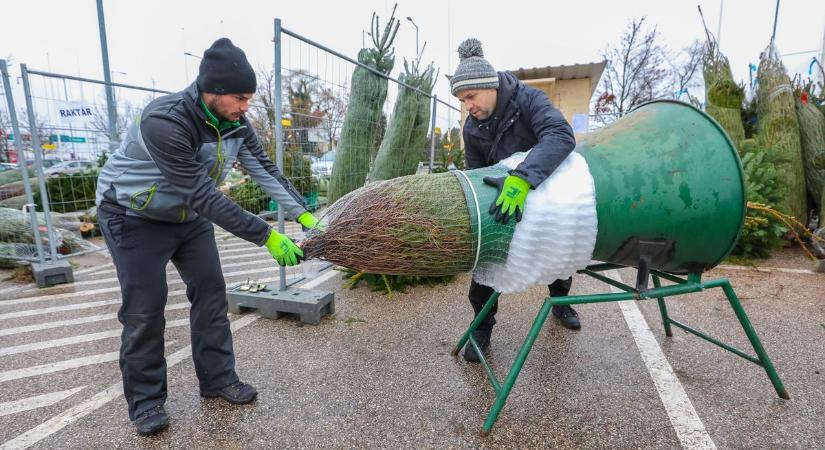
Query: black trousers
[
  {"x": 479, "y": 294},
  {"x": 141, "y": 249}
]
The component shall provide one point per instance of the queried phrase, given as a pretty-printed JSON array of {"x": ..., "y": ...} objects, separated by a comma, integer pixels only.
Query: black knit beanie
[{"x": 224, "y": 69}]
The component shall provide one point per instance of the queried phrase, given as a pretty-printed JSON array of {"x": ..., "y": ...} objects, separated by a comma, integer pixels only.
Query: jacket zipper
[
  {"x": 149, "y": 194},
  {"x": 507, "y": 126},
  {"x": 215, "y": 172}
]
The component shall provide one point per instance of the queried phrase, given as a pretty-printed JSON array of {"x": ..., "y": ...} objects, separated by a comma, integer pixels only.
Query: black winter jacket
[{"x": 523, "y": 119}]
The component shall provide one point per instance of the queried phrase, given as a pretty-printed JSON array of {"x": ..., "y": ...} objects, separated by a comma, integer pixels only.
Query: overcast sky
[{"x": 147, "y": 39}]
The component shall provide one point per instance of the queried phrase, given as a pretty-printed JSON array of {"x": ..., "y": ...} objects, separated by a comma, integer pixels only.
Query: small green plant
[
  {"x": 762, "y": 232},
  {"x": 250, "y": 196},
  {"x": 69, "y": 193},
  {"x": 388, "y": 284}
]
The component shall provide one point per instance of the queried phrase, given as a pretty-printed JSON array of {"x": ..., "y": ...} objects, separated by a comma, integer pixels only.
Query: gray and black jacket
[
  {"x": 524, "y": 119},
  {"x": 172, "y": 159}
]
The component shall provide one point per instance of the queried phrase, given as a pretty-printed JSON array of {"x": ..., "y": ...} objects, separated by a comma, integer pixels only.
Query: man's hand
[
  {"x": 283, "y": 249},
  {"x": 512, "y": 192},
  {"x": 309, "y": 221}
]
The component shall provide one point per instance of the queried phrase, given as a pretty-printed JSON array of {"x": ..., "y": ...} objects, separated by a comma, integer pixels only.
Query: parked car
[
  {"x": 47, "y": 162},
  {"x": 69, "y": 168},
  {"x": 322, "y": 165},
  {"x": 7, "y": 166}
]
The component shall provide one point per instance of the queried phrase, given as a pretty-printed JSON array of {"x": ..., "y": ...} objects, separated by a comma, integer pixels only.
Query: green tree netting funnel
[{"x": 669, "y": 188}]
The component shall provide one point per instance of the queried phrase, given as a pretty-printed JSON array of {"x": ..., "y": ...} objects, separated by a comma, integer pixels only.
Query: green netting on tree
[
  {"x": 778, "y": 129},
  {"x": 406, "y": 134},
  {"x": 812, "y": 133},
  {"x": 440, "y": 224},
  {"x": 723, "y": 95},
  {"x": 413, "y": 225},
  {"x": 357, "y": 144}
]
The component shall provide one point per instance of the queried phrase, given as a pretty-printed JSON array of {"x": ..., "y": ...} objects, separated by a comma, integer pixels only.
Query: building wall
[{"x": 571, "y": 97}]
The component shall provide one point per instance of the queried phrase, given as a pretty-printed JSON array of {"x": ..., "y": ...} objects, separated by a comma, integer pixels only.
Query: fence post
[
  {"x": 44, "y": 195},
  {"x": 21, "y": 161},
  {"x": 432, "y": 128},
  {"x": 107, "y": 77},
  {"x": 279, "y": 133}
]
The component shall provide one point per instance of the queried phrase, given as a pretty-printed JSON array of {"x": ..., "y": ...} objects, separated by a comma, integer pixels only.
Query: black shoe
[
  {"x": 236, "y": 393},
  {"x": 152, "y": 421},
  {"x": 567, "y": 316},
  {"x": 482, "y": 338}
]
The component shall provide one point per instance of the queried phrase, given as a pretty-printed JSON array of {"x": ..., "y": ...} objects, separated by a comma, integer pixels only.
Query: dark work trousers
[
  {"x": 141, "y": 249},
  {"x": 479, "y": 294}
]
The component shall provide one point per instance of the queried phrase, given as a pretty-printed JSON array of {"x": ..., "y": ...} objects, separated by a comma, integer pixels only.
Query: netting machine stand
[{"x": 681, "y": 286}]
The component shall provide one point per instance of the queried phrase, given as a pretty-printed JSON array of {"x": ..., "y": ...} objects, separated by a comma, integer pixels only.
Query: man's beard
[{"x": 213, "y": 106}]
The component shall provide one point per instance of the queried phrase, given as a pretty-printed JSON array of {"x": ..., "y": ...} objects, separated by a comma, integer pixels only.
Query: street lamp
[{"x": 416, "y": 35}]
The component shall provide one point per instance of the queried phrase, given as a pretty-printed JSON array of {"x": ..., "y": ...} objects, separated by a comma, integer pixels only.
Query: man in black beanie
[
  {"x": 157, "y": 198},
  {"x": 507, "y": 116}
]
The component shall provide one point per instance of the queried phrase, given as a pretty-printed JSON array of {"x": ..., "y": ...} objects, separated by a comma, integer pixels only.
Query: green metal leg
[
  {"x": 764, "y": 360},
  {"x": 501, "y": 396},
  {"x": 663, "y": 308},
  {"x": 476, "y": 322}
]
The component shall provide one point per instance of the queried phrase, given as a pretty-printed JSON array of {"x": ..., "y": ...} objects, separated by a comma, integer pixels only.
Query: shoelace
[{"x": 152, "y": 412}]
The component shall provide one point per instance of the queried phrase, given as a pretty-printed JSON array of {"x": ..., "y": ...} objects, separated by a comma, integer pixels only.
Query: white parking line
[
  {"x": 686, "y": 422},
  {"x": 72, "y": 307},
  {"x": 42, "y": 345},
  {"x": 42, "y": 298},
  {"x": 38, "y": 401},
  {"x": 60, "y": 366},
  {"x": 78, "y": 321},
  {"x": 172, "y": 272},
  {"x": 86, "y": 305},
  {"x": 311, "y": 284},
  {"x": 100, "y": 399},
  {"x": 43, "y": 369},
  {"x": 250, "y": 259}
]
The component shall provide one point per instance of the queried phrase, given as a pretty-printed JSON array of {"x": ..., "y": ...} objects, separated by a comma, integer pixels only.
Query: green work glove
[
  {"x": 283, "y": 249},
  {"x": 512, "y": 192},
  {"x": 309, "y": 221}
]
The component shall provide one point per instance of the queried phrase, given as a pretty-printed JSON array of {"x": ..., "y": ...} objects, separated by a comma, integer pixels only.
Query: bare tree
[
  {"x": 685, "y": 71},
  {"x": 125, "y": 116},
  {"x": 333, "y": 109},
  {"x": 5, "y": 130},
  {"x": 635, "y": 72},
  {"x": 261, "y": 115},
  {"x": 309, "y": 105}
]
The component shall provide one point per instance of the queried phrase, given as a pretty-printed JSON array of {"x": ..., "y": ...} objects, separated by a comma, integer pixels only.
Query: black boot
[
  {"x": 482, "y": 338},
  {"x": 567, "y": 316},
  {"x": 152, "y": 421},
  {"x": 237, "y": 393}
]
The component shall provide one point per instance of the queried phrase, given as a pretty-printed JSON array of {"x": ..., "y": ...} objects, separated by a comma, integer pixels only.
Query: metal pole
[
  {"x": 44, "y": 195},
  {"x": 279, "y": 133},
  {"x": 432, "y": 127},
  {"x": 107, "y": 77},
  {"x": 361, "y": 65},
  {"x": 719, "y": 27},
  {"x": 775, "y": 19},
  {"x": 21, "y": 161}
]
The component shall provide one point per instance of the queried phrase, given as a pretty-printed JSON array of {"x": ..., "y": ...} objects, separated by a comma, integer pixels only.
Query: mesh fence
[
  {"x": 65, "y": 133},
  {"x": 347, "y": 124},
  {"x": 344, "y": 126}
]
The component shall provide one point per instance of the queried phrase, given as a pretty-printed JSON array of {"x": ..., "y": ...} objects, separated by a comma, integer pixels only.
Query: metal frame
[{"x": 693, "y": 283}]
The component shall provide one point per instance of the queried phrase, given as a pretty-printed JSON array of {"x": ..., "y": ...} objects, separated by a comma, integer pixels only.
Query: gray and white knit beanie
[{"x": 473, "y": 72}]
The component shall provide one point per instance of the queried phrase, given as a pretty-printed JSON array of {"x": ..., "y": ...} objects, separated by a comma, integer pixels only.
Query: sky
[{"x": 147, "y": 39}]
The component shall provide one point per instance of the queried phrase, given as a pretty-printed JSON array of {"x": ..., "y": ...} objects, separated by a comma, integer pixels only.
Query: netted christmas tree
[
  {"x": 400, "y": 150},
  {"x": 778, "y": 129},
  {"x": 356, "y": 146},
  {"x": 812, "y": 132},
  {"x": 723, "y": 96}
]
